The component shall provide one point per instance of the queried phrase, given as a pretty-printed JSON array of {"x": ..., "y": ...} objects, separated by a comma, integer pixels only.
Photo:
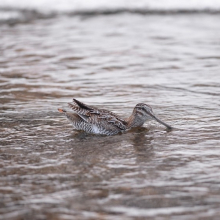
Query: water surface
[{"x": 49, "y": 171}]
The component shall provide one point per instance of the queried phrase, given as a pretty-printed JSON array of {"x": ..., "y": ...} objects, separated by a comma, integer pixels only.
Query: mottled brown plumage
[{"x": 102, "y": 121}]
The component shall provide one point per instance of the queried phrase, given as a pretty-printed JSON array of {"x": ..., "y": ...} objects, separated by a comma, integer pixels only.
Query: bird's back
[{"x": 94, "y": 120}]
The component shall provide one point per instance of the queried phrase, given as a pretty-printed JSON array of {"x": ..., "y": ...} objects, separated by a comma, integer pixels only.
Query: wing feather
[{"x": 87, "y": 113}]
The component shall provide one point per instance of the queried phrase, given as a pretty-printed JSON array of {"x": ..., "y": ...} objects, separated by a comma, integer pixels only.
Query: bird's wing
[
  {"x": 112, "y": 119},
  {"x": 88, "y": 113},
  {"x": 83, "y": 109}
]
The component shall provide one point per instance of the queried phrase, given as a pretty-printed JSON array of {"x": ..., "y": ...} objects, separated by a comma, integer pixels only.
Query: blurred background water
[{"x": 110, "y": 54}]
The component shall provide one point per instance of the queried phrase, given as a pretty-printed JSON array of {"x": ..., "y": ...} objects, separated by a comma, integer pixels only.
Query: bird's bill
[{"x": 161, "y": 122}]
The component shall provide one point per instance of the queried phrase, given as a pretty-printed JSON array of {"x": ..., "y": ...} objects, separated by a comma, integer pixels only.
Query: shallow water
[{"x": 49, "y": 171}]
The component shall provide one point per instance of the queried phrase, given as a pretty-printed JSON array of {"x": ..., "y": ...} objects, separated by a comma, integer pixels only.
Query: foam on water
[{"x": 72, "y": 5}]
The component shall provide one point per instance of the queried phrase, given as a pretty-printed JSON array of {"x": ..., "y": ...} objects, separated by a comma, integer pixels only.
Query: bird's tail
[{"x": 61, "y": 110}]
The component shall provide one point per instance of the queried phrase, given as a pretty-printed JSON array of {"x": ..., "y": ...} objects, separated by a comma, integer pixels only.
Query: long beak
[{"x": 161, "y": 122}]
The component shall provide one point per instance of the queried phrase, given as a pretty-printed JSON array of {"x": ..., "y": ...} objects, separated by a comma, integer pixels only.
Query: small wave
[{"x": 14, "y": 16}]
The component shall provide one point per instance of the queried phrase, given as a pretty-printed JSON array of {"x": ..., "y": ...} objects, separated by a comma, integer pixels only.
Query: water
[{"x": 49, "y": 171}]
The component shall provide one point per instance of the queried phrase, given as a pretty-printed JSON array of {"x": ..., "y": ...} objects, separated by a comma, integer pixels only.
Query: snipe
[{"x": 101, "y": 121}]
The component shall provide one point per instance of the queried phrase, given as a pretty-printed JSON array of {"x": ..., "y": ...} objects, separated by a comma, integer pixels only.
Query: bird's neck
[{"x": 135, "y": 120}]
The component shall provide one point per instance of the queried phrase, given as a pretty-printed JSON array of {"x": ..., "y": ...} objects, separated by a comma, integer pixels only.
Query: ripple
[{"x": 50, "y": 171}]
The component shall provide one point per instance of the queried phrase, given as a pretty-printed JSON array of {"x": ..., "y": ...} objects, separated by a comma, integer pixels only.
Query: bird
[{"x": 101, "y": 121}]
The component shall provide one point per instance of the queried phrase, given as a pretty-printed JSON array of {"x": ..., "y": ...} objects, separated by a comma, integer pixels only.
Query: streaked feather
[{"x": 97, "y": 116}]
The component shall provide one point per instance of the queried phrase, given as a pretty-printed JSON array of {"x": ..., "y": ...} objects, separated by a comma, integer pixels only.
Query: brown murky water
[{"x": 49, "y": 171}]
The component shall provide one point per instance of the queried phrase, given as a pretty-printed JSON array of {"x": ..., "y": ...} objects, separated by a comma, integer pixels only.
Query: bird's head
[{"x": 145, "y": 111}]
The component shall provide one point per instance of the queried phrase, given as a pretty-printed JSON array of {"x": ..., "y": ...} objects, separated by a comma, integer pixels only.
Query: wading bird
[{"x": 101, "y": 121}]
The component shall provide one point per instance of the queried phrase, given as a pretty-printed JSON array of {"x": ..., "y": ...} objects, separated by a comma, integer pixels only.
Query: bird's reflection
[
  {"x": 96, "y": 146},
  {"x": 142, "y": 143}
]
